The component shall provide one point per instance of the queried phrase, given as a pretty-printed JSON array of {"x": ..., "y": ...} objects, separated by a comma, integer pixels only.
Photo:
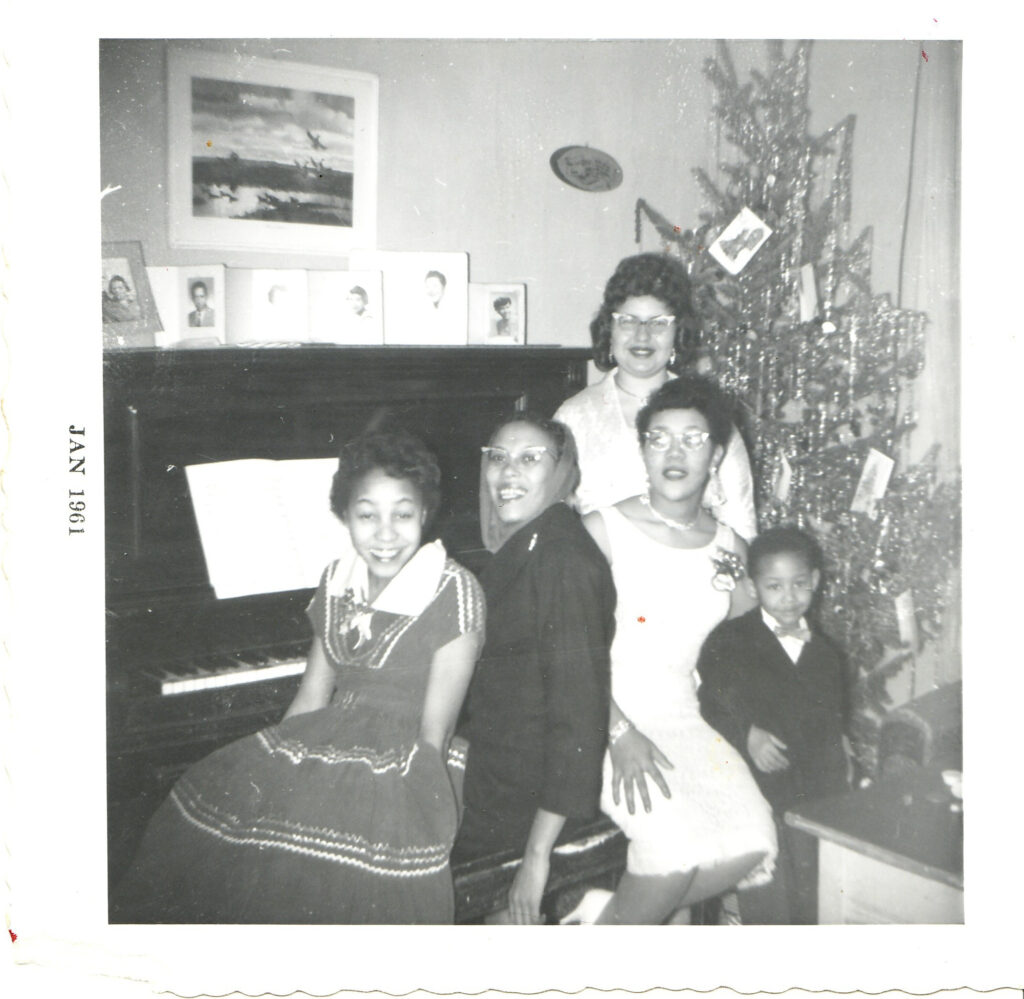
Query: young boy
[{"x": 777, "y": 692}]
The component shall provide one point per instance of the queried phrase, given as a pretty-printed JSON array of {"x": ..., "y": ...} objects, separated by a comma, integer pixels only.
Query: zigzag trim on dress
[
  {"x": 398, "y": 759},
  {"x": 326, "y": 844}
]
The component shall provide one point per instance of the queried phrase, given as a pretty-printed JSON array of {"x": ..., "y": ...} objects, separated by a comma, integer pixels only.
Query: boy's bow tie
[{"x": 792, "y": 631}]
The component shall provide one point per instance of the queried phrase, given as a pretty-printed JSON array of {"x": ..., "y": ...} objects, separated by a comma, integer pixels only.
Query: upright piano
[{"x": 187, "y": 672}]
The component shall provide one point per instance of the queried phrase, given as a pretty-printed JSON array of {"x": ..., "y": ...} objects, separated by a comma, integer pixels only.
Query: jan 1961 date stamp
[{"x": 76, "y": 466}]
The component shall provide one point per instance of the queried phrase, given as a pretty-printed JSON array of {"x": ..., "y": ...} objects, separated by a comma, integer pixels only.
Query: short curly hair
[
  {"x": 787, "y": 539},
  {"x": 690, "y": 392},
  {"x": 657, "y": 274},
  {"x": 395, "y": 453}
]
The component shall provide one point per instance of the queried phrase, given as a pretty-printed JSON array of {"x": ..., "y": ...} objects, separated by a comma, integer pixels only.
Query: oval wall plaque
[{"x": 586, "y": 169}]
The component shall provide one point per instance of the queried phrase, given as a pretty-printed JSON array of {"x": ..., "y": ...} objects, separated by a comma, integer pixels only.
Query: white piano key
[{"x": 233, "y": 678}]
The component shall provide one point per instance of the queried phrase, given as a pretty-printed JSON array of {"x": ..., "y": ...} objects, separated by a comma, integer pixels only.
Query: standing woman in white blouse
[{"x": 638, "y": 342}]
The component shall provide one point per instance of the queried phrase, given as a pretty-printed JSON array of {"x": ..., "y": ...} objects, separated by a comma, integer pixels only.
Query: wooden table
[{"x": 891, "y": 853}]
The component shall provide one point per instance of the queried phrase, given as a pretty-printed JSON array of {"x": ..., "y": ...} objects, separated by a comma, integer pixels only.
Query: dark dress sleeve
[
  {"x": 722, "y": 696},
  {"x": 577, "y": 621}
]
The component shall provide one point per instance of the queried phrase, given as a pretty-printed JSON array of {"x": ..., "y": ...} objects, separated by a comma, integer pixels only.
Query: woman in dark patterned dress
[{"x": 344, "y": 812}]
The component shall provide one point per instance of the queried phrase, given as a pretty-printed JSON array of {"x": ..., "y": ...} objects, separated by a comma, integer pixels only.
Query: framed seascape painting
[
  {"x": 497, "y": 314},
  {"x": 130, "y": 318},
  {"x": 269, "y": 155}
]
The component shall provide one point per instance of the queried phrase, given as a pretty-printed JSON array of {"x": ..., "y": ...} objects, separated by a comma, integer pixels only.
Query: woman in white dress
[
  {"x": 638, "y": 341},
  {"x": 703, "y": 827}
]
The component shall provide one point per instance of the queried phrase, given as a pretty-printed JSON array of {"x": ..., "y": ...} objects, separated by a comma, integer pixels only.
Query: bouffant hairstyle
[
  {"x": 499, "y": 303},
  {"x": 561, "y": 436},
  {"x": 396, "y": 454},
  {"x": 689, "y": 392},
  {"x": 658, "y": 275},
  {"x": 785, "y": 540}
]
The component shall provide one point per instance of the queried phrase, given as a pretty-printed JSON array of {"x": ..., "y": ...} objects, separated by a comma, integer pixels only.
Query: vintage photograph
[
  {"x": 346, "y": 307},
  {"x": 497, "y": 314},
  {"x": 267, "y": 305},
  {"x": 130, "y": 317},
  {"x": 656, "y": 620},
  {"x": 426, "y": 296},
  {"x": 270, "y": 154},
  {"x": 190, "y": 301}
]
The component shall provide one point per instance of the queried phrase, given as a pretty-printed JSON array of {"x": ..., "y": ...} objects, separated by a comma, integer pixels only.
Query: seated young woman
[
  {"x": 700, "y": 826},
  {"x": 537, "y": 712},
  {"x": 344, "y": 812}
]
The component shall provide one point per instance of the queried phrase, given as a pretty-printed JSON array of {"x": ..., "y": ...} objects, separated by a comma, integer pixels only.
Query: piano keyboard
[{"x": 217, "y": 671}]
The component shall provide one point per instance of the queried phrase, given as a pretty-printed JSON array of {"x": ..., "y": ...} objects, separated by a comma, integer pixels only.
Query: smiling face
[
  {"x": 385, "y": 519},
  {"x": 117, "y": 289},
  {"x": 518, "y": 472},
  {"x": 785, "y": 585},
  {"x": 678, "y": 473},
  {"x": 642, "y": 353}
]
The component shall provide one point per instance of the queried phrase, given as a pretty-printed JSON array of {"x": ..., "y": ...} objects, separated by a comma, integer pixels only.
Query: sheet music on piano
[{"x": 266, "y": 526}]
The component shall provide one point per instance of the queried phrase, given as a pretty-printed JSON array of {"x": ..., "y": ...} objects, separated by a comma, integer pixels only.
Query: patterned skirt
[{"x": 329, "y": 817}]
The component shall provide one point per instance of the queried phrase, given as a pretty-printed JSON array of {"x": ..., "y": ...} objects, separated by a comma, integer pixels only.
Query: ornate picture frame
[
  {"x": 130, "y": 317},
  {"x": 270, "y": 155}
]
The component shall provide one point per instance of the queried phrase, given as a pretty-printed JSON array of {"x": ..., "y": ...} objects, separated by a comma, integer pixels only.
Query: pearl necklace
[{"x": 676, "y": 525}]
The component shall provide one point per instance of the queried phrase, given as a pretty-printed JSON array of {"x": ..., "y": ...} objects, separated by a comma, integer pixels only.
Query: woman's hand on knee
[
  {"x": 634, "y": 758},
  {"x": 527, "y": 890}
]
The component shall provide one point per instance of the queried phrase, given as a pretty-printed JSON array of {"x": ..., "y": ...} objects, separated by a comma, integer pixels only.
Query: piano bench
[{"x": 595, "y": 858}]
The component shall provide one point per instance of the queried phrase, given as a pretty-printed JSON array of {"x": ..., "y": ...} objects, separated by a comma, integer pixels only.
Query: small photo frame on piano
[
  {"x": 191, "y": 302},
  {"x": 346, "y": 307},
  {"x": 130, "y": 317},
  {"x": 267, "y": 307},
  {"x": 425, "y": 295},
  {"x": 497, "y": 314}
]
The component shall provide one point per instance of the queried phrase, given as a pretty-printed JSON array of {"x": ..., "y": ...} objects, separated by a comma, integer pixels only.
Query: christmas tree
[{"x": 823, "y": 370}]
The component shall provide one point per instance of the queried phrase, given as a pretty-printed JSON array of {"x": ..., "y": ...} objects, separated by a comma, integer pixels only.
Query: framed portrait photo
[
  {"x": 425, "y": 295},
  {"x": 191, "y": 303},
  {"x": 346, "y": 307},
  {"x": 497, "y": 314},
  {"x": 130, "y": 317},
  {"x": 270, "y": 155},
  {"x": 267, "y": 306}
]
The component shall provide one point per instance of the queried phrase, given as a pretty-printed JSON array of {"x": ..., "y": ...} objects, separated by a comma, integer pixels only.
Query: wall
[{"x": 466, "y": 130}]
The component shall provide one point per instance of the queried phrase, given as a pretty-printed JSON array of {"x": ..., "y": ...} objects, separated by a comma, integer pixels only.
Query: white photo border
[{"x": 187, "y": 231}]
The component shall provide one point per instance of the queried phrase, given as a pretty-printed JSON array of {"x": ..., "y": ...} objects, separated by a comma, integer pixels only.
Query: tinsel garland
[{"x": 816, "y": 395}]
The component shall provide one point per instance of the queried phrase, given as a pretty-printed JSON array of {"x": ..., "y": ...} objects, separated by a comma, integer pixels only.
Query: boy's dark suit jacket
[{"x": 748, "y": 679}]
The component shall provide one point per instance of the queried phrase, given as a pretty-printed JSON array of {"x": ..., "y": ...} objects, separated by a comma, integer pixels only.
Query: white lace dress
[
  {"x": 612, "y": 468},
  {"x": 667, "y": 605}
]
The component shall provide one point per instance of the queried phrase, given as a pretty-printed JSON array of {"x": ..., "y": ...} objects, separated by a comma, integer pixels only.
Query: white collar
[
  {"x": 407, "y": 594},
  {"x": 774, "y": 623}
]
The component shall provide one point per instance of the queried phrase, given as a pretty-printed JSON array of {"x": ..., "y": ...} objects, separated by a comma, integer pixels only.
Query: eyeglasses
[
  {"x": 529, "y": 457},
  {"x": 630, "y": 324},
  {"x": 691, "y": 440}
]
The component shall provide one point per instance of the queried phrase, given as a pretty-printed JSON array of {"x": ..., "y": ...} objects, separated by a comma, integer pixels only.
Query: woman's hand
[
  {"x": 766, "y": 750},
  {"x": 527, "y": 889},
  {"x": 634, "y": 757}
]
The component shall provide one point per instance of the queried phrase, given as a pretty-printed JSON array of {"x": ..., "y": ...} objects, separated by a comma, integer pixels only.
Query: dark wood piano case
[{"x": 166, "y": 409}]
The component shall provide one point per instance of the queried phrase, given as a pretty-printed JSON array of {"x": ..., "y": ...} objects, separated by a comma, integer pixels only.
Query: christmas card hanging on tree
[{"x": 739, "y": 241}]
